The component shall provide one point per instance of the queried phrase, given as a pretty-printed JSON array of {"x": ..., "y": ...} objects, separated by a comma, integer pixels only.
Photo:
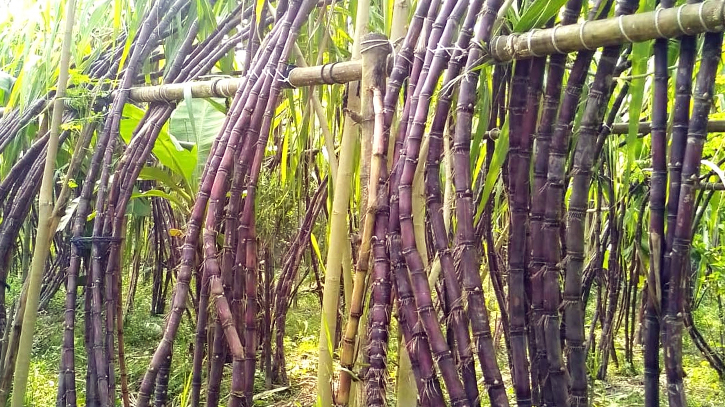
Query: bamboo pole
[
  {"x": 644, "y": 128},
  {"x": 687, "y": 19},
  {"x": 328, "y": 74},
  {"x": 713, "y": 126},
  {"x": 45, "y": 218},
  {"x": 338, "y": 236},
  {"x": 711, "y": 186}
]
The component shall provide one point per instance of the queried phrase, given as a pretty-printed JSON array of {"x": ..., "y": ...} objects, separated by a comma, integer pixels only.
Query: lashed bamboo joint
[{"x": 687, "y": 19}]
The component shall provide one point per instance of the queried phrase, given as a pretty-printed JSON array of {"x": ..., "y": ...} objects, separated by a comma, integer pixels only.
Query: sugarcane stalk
[
  {"x": 465, "y": 251},
  {"x": 658, "y": 196},
  {"x": 416, "y": 345},
  {"x": 436, "y": 57},
  {"x": 552, "y": 218},
  {"x": 188, "y": 255},
  {"x": 247, "y": 224},
  {"x": 614, "y": 277},
  {"x": 696, "y": 137},
  {"x": 599, "y": 94},
  {"x": 380, "y": 296},
  {"x": 119, "y": 332},
  {"x": 338, "y": 237},
  {"x": 287, "y": 277},
  {"x": 457, "y": 319},
  {"x": 552, "y": 97},
  {"x": 680, "y": 120},
  {"x": 355, "y": 93}
]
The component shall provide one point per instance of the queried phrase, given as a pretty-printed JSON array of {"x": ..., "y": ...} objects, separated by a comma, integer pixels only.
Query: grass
[{"x": 623, "y": 388}]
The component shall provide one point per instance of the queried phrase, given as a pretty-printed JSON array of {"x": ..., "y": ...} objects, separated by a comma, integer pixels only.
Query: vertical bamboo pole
[
  {"x": 338, "y": 233},
  {"x": 361, "y": 30},
  {"x": 377, "y": 49},
  {"x": 45, "y": 217}
]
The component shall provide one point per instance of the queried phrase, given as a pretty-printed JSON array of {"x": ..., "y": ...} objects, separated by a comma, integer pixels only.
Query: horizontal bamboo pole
[
  {"x": 337, "y": 72},
  {"x": 711, "y": 186},
  {"x": 662, "y": 23},
  {"x": 643, "y": 128},
  {"x": 713, "y": 126}
]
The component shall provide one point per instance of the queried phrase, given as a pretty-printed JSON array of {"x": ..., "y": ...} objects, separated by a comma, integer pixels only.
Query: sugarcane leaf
[
  {"x": 160, "y": 194},
  {"x": 258, "y": 9},
  {"x": 318, "y": 253},
  {"x": 499, "y": 156},
  {"x": 170, "y": 153},
  {"x": 164, "y": 178},
  {"x": 6, "y": 81},
  {"x": 537, "y": 14},
  {"x": 714, "y": 167},
  {"x": 482, "y": 107},
  {"x": 641, "y": 52},
  {"x": 217, "y": 105},
  {"x": 69, "y": 211},
  {"x": 263, "y": 395},
  {"x": 117, "y": 8},
  {"x": 138, "y": 207}
]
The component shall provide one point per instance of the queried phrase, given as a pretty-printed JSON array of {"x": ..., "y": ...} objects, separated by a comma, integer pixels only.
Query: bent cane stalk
[
  {"x": 188, "y": 254},
  {"x": 457, "y": 319},
  {"x": 247, "y": 225}
]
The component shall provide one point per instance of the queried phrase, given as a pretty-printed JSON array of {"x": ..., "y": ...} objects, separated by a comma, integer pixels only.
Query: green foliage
[
  {"x": 538, "y": 13},
  {"x": 197, "y": 121},
  {"x": 499, "y": 156},
  {"x": 167, "y": 148}
]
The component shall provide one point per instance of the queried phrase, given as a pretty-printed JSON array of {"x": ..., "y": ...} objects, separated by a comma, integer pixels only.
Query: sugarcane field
[{"x": 362, "y": 203}]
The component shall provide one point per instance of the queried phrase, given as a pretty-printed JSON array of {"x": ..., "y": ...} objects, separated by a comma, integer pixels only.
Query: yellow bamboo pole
[
  {"x": 713, "y": 126},
  {"x": 333, "y": 73},
  {"x": 45, "y": 218},
  {"x": 688, "y": 19}
]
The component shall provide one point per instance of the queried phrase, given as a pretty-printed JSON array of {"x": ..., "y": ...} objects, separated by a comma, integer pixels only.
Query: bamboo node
[
  {"x": 702, "y": 19},
  {"x": 581, "y": 36},
  {"x": 657, "y": 21},
  {"x": 621, "y": 29},
  {"x": 679, "y": 19},
  {"x": 528, "y": 43},
  {"x": 553, "y": 39}
]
